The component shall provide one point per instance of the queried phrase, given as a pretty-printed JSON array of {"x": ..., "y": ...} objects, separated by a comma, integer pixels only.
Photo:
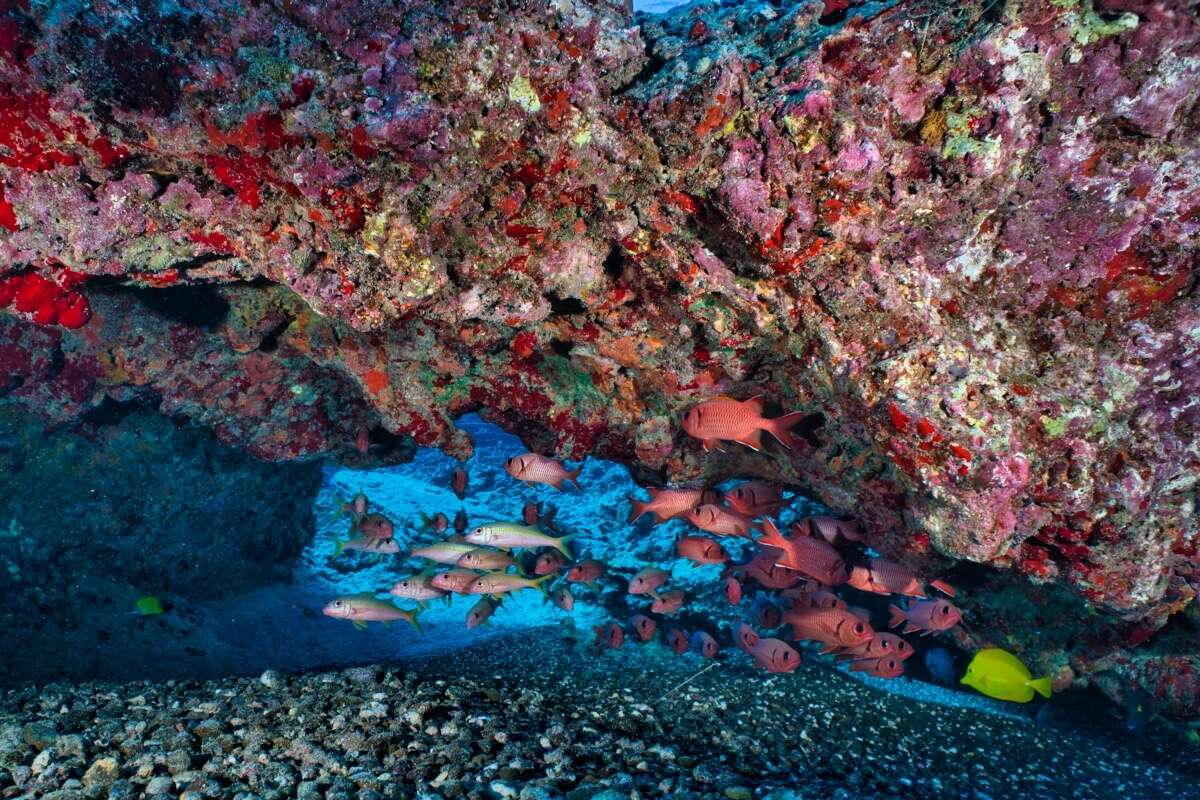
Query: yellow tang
[{"x": 999, "y": 674}]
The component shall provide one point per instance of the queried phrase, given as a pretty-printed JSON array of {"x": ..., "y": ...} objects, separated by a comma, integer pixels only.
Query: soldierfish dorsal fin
[{"x": 754, "y": 405}]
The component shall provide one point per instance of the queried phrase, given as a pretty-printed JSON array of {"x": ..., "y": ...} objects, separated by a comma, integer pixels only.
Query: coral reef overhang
[{"x": 962, "y": 237}]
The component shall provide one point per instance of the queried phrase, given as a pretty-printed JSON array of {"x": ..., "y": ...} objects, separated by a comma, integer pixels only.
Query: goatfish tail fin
[
  {"x": 425, "y": 520},
  {"x": 338, "y": 546},
  {"x": 412, "y": 619},
  {"x": 1041, "y": 686},
  {"x": 781, "y": 428},
  {"x": 561, "y": 545},
  {"x": 540, "y": 584}
]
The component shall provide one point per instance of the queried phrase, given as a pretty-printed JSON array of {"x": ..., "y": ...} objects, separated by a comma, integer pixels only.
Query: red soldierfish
[
  {"x": 886, "y": 667},
  {"x": 533, "y": 468},
  {"x": 744, "y": 636},
  {"x": 437, "y": 523},
  {"x": 677, "y": 640},
  {"x": 458, "y": 482},
  {"x": 667, "y": 504},
  {"x": 610, "y": 635},
  {"x": 460, "y": 522},
  {"x": 762, "y": 568},
  {"x": 832, "y": 627},
  {"x": 880, "y": 576},
  {"x": 548, "y": 563},
  {"x": 701, "y": 550},
  {"x": 586, "y": 571},
  {"x": 721, "y": 521},
  {"x": 733, "y": 590},
  {"x": 643, "y": 626},
  {"x": 926, "y": 616},
  {"x": 668, "y": 602},
  {"x": 834, "y": 531},
  {"x": 356, "y": 507},
  {"x": 362, "y": 442},
  {"x": 375, "y": 526},
  {"x": 457, "y": 581},
  {"x": 818, "y": 599},
  {"x": 724, "y": 419},
  {"x": 705, "y": 644},
  {"x": 774, "y": 655},
  {"x": 480, "y": 612},
  {"x": 755, "y": 499},
  {"x": 804, "y": 586},
  {"x": 813, "y": 557},
  {"x": 765, "y": 613},
  {"x": 647, "y": 580},
  {"x": 530, "y": 513},
  {"x": 563, "y": 598},
  {"x": 880, "y": 645}
]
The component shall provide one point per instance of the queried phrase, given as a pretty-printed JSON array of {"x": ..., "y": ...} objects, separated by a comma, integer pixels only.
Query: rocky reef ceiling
[{"x": 961, "y": 237}]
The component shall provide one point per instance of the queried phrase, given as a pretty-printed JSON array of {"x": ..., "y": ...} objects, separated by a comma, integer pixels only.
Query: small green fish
[{"x": 148, "y": 606}]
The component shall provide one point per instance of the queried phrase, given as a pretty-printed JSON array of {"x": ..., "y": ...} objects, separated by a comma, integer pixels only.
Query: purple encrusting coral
[{"x": 963, "y": 235}]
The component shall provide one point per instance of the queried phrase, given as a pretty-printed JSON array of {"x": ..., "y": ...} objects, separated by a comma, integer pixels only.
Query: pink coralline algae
[{"x": 962, "y": 239}]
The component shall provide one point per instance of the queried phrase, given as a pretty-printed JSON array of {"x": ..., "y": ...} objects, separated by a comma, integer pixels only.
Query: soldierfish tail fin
[
  {"x": 338, "y": 546},
  {"x": 561, "y": 544},
  {"x": 897, "y": 616},
  {"x": 573, "y": 477},
  {"x": 636, "y": 509},
  {"x": 425, "y": 520},
  {"x": 1041, "y": 686},
  {"x": 943, "y": 587},
  {"x": 781, "y": 428}
]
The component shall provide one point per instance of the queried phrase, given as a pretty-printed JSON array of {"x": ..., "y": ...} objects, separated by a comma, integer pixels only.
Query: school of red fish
[{"x": 796, "y": 578}]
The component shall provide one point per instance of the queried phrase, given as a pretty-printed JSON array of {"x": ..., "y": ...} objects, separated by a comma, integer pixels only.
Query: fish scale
[{"x": 833, "y": 627}]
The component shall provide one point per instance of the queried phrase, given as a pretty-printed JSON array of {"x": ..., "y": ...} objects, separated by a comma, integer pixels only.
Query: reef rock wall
[{"x": 961, "y": 236}]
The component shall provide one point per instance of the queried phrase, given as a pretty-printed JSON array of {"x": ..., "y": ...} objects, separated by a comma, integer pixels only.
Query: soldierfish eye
[
  {"x": 945, "y": 610},
  {"x": 858, "y": 628}
]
